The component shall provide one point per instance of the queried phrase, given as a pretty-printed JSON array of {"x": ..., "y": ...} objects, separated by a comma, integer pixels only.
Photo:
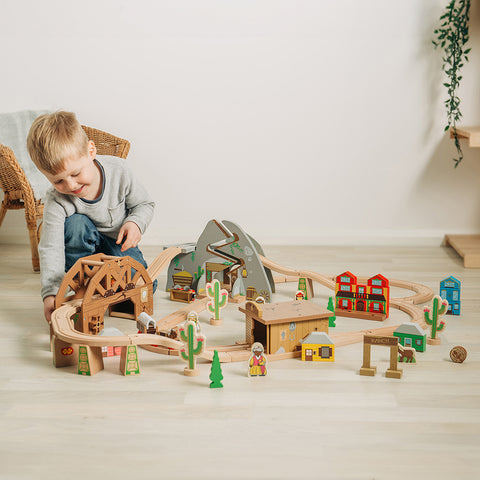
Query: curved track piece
[
  {"x": 63, "y": 330},
  {"x": 162, "y": 261},
  {"x": 422, "y": 293}
]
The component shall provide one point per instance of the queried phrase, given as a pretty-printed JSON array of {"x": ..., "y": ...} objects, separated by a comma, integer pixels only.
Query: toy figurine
[
  {"x": 193, "y": 317},
  {"x": 257, "y": 363},
  {"x": 299, "y": 295}
]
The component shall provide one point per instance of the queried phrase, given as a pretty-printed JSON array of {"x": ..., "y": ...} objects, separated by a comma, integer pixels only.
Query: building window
[
  {"x": 345, "y": 288},
  {"x": 418, "y": 342},
  {"x": 408, "y": 342},
  {"x": 377, "y": 282},
  {"x": 345, "y": 279},
  {"x": 325, "y": 352},
  {"x": 455, "y": 295},
  {"x": 377, "y": 291},
  {"x": 361, "y": 290},
  {"x": 344, "y": 304}
]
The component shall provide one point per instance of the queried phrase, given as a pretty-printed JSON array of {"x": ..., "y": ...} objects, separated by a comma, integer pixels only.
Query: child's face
[{"x": 81, "y": 177}]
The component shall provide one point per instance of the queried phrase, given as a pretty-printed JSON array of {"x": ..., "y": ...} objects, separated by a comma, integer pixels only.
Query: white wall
[{"x": 304, "y": 121}]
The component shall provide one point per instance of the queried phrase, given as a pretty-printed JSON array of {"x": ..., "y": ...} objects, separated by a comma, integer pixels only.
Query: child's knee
[{"x": 80, "y": 230}]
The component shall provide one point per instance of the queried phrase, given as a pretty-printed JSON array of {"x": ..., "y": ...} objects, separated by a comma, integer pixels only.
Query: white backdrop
[{"x": 304, "y": 121}]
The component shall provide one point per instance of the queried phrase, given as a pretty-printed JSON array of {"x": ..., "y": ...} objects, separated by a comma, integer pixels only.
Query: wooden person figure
[
  {"x": 193, "y": 317},
  {"x": 299, "y": 295},
  {"x": 257, "y": 363}
]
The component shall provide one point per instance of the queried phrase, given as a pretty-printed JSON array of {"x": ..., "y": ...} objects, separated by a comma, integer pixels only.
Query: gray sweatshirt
[{"x": 124, "y": 199}]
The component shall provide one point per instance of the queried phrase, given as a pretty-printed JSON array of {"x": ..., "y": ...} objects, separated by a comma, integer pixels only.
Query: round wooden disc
[{"x": 458, "y": 354}]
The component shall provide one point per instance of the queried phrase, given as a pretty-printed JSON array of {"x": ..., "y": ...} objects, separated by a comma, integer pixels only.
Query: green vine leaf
[{"x": 452, "y": 36}]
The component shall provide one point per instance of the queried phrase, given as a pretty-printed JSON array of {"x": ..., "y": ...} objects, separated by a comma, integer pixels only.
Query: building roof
[
  {"x": 346, "y": 274},
  {"x": 283, "y": 312},
  {"x": 318, "y": 338},
  {"x": 410, "y": 328},
  {"x": 451, "y": 278}
]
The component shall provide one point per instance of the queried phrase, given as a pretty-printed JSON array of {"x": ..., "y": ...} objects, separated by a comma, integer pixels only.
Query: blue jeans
[{"x": 82, "y": 239}]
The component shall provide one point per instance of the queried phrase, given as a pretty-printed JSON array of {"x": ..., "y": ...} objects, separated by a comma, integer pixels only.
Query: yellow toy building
[{"x": 318, "y": 347}]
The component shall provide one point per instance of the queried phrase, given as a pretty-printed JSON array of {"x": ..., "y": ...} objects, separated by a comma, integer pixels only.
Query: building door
[
  {"x": 360, "y": 306},
  {"x": 308, "y": 354},
  {"x": 260, "y": 334}
]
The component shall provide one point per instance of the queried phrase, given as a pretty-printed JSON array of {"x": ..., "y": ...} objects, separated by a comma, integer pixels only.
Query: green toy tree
[
  {"x": 195, "y": 343},
  {"x": 218, "y": 300},
  {"x": 439, "y": 307},
  {"x": 216, "y": 372},
  {"x": 331, "y": 320}
]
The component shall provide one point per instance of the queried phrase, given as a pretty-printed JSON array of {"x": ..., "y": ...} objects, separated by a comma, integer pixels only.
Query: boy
[{"x": 96, "y": 205}]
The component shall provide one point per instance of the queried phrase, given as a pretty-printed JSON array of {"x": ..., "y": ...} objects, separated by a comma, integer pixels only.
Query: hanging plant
[{"x": 451, "y": 37}]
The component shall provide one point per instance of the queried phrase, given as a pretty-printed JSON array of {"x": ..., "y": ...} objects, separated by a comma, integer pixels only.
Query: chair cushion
[{"x": 14, "y": 129}]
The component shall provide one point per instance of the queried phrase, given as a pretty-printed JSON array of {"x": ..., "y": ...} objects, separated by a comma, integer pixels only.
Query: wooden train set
[{"x": 95, "y": 284}]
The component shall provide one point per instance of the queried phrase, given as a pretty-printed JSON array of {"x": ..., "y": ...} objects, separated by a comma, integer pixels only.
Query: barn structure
[{"x": 280, "y": 327}]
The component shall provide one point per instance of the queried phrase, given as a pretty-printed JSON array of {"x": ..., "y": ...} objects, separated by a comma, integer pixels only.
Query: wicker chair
[{"x": 18, "y": 192}]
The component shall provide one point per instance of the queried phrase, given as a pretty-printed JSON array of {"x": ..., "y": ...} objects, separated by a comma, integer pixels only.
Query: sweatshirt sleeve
[
  {"x": 138, "y": 203},
  {"x": 51, "y": 248}
]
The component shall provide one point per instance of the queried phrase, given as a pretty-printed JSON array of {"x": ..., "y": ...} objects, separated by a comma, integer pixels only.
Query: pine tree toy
[
  {"x": 331, "y": 320},
  {"x": 216, "y": 372}
]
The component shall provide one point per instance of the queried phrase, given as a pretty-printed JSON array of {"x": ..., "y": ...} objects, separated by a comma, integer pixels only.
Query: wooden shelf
[
  {"x": 467, "y": 246},
  {"x": 472, "y": 134}
]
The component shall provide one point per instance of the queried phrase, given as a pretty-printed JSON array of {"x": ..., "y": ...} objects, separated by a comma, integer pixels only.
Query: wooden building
[
  {"x": 450, "y": 290},
  {"x": 368, "y": 300},
  {"x": 318, "y": 347},
  {"x": 410, "y": 334},
  {"x": 280, "y": 327}
]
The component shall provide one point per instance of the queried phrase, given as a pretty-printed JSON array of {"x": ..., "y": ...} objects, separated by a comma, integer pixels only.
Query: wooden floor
[{"x": 304, "y": 420}]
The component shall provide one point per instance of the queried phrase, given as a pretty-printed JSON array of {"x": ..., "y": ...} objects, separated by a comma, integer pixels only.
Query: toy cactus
[
  {"x": 195, "y": 343},
  {"x": 216, "y": 372},
  {"x": 439, "y": 307},
  {"x": 218, "y": 300}
]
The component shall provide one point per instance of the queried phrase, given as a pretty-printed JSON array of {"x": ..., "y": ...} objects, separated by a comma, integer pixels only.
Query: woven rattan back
[
  {"x": 18, "y": 192},
  {"x": 108, "y": 144},
  {"x": 12, "y": 177}
]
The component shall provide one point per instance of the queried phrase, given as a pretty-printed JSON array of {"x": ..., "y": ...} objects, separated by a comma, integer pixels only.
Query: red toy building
[{"x": 369, "y": 301}]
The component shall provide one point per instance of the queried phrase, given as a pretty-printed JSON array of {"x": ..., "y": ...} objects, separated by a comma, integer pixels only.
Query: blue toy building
[{"x": 450, "y": 290}]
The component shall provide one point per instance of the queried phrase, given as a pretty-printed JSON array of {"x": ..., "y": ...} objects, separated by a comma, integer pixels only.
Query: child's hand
[
  {"x": 132, "y": 235},
  {"x": 48, "y": 307}
]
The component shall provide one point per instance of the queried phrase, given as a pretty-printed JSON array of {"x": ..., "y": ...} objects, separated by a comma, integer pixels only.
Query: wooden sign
[{"x": 381, "y": 340}]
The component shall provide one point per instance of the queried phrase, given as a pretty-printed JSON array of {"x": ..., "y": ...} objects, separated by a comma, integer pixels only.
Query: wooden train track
[{"x": 63, "y": 328}]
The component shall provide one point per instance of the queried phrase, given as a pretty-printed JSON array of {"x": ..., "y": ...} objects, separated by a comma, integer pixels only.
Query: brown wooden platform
[
  {"x": 467, "y": 246},
  {"x": 472, "y": 134}
]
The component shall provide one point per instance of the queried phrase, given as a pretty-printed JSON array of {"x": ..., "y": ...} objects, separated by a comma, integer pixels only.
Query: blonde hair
[{"x": 55, "y": 137}]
